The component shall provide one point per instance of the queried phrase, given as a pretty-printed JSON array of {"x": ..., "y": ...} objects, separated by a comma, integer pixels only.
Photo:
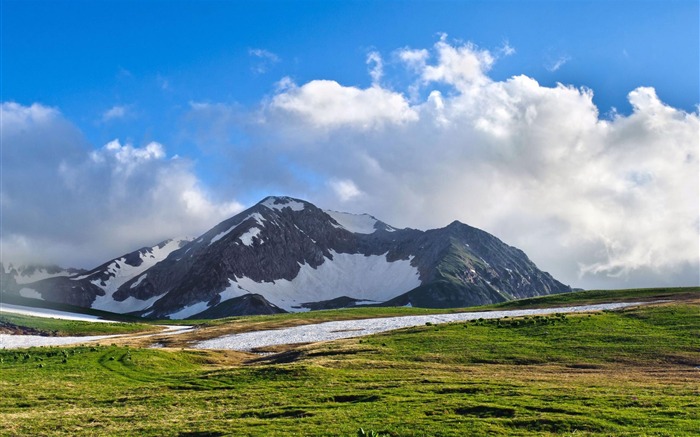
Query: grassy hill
[{"x": 630, "y": 372}]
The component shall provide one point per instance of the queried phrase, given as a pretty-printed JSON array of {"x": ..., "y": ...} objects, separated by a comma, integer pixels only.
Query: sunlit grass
[
  {"x": 59, "y": 327},
  {"x": 633, "y": 372}
]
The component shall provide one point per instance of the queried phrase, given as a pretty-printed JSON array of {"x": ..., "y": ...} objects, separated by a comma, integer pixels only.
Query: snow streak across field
[
  {"x": 314, "y": 332},
  {"x": 45, "y": 312},
  {"x": 357, "y": 328}
]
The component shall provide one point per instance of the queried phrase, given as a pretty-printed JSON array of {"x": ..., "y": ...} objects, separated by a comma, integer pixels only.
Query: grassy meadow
[
  {"x": 631, "y": 372},
  {"x": 63, "y": 328}
]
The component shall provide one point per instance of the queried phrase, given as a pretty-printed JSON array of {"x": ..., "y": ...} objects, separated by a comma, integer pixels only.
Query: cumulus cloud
[
  {"x": 65, "y": 202},
  {"x": 327, "y": 105},
  {"x": 598, "y": 202},
  {"x": 460, "y": 66}
]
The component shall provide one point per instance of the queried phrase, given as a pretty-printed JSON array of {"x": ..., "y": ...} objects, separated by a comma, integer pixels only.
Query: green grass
[
  {"x": 599, "y": 296},
  {"x": 58, "y": 327},
  {"x": 633, "y": 372}
]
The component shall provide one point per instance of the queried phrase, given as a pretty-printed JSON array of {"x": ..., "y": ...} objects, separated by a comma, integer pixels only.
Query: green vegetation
[
  {"x": 632, "y": 372},
  {"x": 57, "y": 327},
  {"x": 600, "y": 296}
]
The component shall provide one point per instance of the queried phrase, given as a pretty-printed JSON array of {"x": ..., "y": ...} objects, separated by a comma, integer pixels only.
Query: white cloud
[
  {"x": 414, "y": 58},
  {"x": 597, "y": 202},
  {"x": 65, "y": 203},
  {"x": 556, "y": 64},
  {"x": 115, "y": 112},
  {"x": 326, "y": 104},
  {"x": 459, "y": 66},
  {"x": 264, "y": 60},
  {"x": 374, "y": 59},
  {"x": 506, "y": 49},
  {"x": 345, "y": 189}
]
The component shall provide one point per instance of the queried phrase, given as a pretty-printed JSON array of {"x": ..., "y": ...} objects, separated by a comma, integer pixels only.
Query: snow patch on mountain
[
  {"x": 259, "y": 219},
  {"x": 357, "y": 223},
  {"x": 190, "y": 310},
  {"x": 221, "y": 235},
  {"x": 138, "y": 281},
  {"x": 247, "y": 238},
  {"x": 30, "y": 293},
  {"x": 233, "y": 291},
  {"x": 353, "y": 275},
  {"x": 130, "y": 304},
  {"x": 121, "y": 272}
]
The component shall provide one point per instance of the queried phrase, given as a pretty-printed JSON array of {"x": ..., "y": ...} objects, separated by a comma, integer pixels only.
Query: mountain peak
[{"x": 281, "y": 202}]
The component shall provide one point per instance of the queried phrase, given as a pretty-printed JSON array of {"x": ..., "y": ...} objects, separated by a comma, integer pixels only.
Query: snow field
[
  {"x": 357, "y": 223},
  {"x": 358, "y": 328},
  {"x": 8, "y": 341},
  {"x": 353, "y": 275}
]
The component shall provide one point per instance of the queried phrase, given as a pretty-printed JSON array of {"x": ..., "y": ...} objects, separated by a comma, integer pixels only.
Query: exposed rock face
[{"x": 286, "y": 254}]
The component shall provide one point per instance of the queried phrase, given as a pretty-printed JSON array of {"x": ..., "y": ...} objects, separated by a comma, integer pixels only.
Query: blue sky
[
  {"x": 194, "y": 77},
  {"x": 85, "y": 57}
]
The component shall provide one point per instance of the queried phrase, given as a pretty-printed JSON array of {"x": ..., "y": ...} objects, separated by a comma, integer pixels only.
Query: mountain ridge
[{"x": 286, "y": 254}]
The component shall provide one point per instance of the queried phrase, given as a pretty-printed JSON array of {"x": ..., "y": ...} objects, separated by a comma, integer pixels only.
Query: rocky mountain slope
[{"x": 286, "y": 254}]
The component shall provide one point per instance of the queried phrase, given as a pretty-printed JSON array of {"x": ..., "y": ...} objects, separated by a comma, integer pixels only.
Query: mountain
[
  {"x": 93, "y": 288},
  {"x": 14, "y": 277},
  {"x": 285, "y": 254}
]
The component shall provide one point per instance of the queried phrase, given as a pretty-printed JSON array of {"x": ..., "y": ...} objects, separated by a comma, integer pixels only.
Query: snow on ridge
[
  {"x": 356, "y": 223},
  {"x": 259, "y": 219},
  {"x": 283, "y": 202},
  {"x": 160, "y": 253},
  {"x": 79, "y": 277},
  {"x": 38, "y": 274},
  {"x": 221, "y": 235},
  {"x": 123, "y": 273},
  {"x": 354, "y": 275}
]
